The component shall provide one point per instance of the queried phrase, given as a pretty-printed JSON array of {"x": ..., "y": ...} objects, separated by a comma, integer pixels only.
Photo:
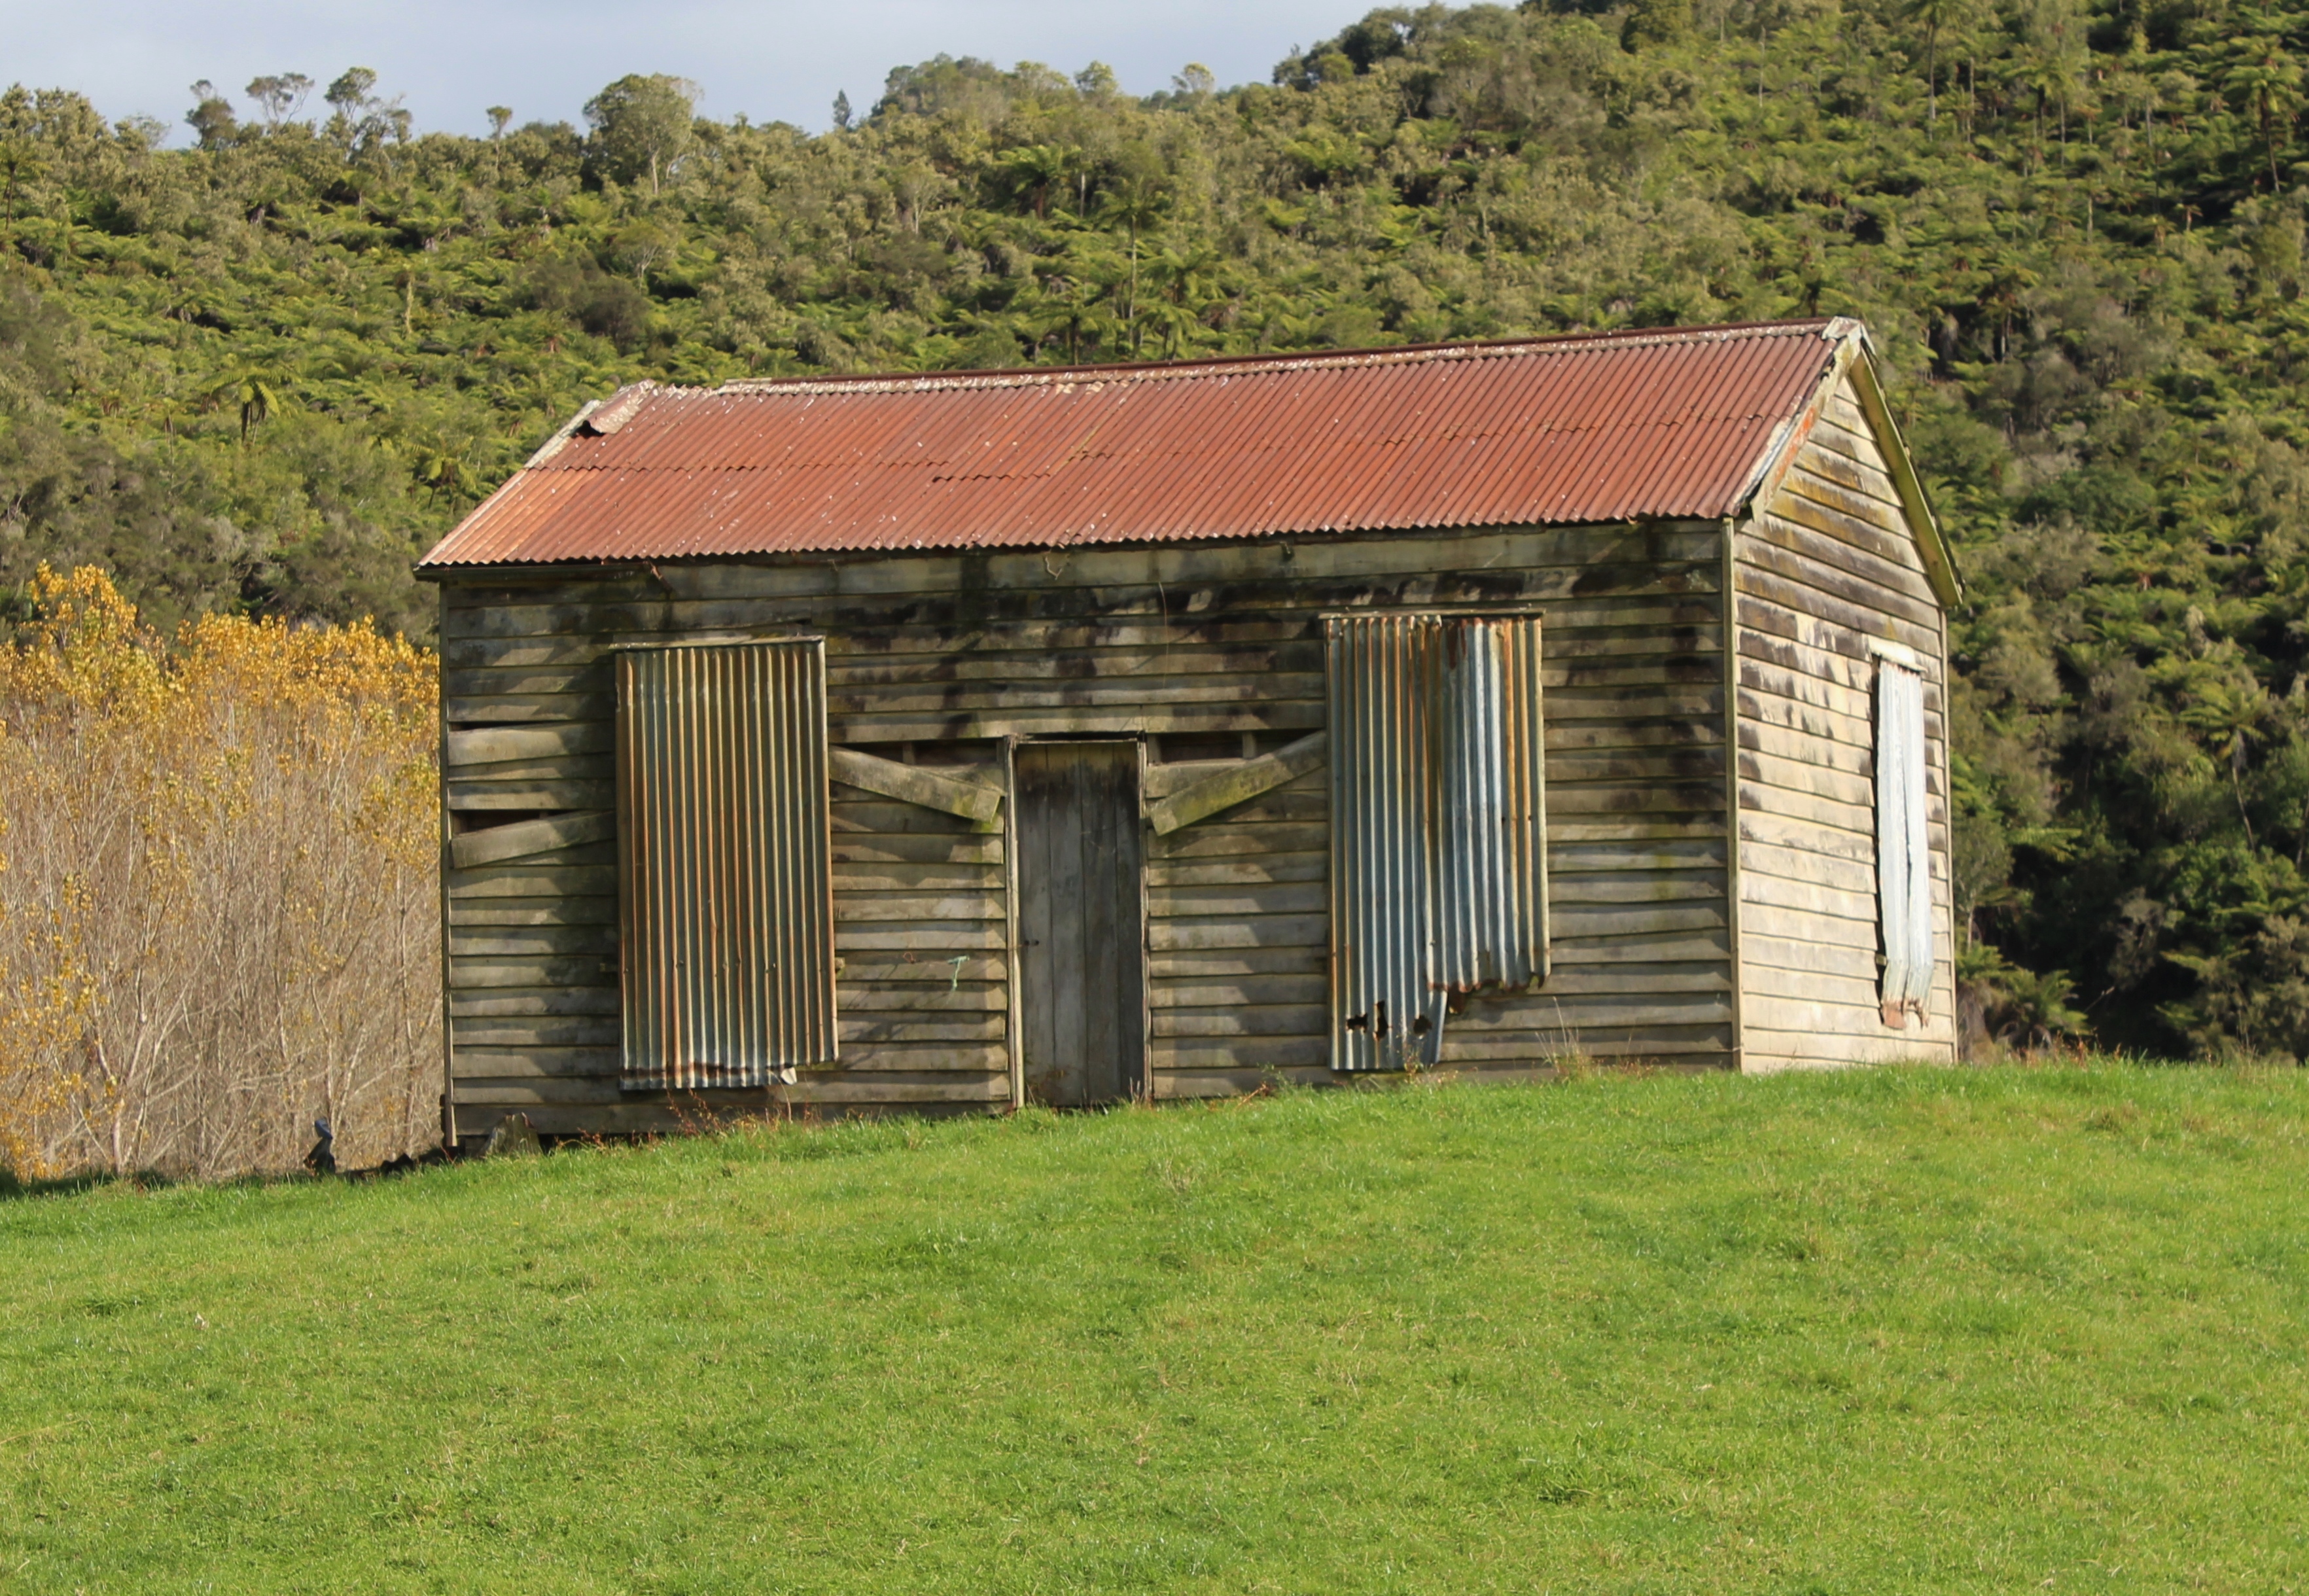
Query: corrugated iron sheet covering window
[
  {"x": 1438, "y": 825},
  {"x": 725, "y": 874},
  {"x": 1903, "y": 872}
]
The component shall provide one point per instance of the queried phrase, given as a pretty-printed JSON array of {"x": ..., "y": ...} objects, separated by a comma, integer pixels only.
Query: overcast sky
[{"x": 769, "y": 59}]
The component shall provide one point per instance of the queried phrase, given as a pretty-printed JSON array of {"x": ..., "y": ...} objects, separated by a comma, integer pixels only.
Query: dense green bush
[{"x": 267, "y": 370}]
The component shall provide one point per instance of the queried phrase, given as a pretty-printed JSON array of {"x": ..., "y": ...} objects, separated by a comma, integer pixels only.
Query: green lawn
[{"x": 1893, "y": 1330}]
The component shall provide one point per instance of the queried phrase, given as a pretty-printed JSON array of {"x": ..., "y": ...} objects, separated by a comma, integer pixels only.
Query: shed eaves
[{"x": 1657, "y": 424}]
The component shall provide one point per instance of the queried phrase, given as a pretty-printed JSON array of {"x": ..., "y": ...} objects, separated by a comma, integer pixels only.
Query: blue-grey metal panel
[
  {"x": 1493, "y": 835},
  {"x": 1438, "y": 825},
  {"x": 1903, "y": 872},
  {"x": 725, "y": 876}
]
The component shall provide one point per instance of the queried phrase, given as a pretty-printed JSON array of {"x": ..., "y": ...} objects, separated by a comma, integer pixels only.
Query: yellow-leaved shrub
[{"x": 219, "y": 891}]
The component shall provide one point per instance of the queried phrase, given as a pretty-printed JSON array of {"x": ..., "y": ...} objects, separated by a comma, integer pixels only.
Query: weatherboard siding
[
  {"x": 1181, "y": 642},
  {"x": 1828, "y": 565}
]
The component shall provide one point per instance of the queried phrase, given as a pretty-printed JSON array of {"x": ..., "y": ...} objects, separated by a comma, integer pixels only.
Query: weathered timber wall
[
  {"x": 1172, "y": 643},
  {"x": 1829, "y": 564}
]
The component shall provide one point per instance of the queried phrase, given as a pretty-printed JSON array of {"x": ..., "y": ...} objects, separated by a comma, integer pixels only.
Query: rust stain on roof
[{"x": 1668, "y": 424}]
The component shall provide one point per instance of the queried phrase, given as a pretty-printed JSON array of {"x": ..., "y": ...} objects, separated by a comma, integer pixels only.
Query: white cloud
[{"x": 768, "y": 59}]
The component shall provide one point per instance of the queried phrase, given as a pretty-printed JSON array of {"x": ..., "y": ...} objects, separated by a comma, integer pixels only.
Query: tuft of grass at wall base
[{"x": 1902, "y": 1329}]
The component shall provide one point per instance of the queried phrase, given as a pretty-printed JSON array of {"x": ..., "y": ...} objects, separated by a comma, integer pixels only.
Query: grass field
[{"x": 1897, "y": 1331}]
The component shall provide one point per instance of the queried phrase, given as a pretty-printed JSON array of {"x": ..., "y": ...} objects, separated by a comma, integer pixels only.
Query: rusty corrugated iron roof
[{"x": 1677, "y": 424}]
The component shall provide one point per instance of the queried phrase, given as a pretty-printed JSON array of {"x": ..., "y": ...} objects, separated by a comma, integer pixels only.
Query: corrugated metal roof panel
[{"x": 1616, "y": 427}]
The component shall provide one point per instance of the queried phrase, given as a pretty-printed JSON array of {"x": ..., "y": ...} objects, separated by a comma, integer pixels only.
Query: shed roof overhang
[{"x": 1682, "y": 424}]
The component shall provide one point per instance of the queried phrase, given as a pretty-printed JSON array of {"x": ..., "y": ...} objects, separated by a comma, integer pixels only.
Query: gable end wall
[{"x": 1830, "y": 563}]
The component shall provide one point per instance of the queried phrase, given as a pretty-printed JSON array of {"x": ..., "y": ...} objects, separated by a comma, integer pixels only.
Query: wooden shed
[{"x": 1067, "y": 735}]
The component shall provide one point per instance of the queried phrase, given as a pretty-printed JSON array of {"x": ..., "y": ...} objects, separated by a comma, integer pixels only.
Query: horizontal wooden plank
[
  {"x": 1239, "y": 871},
  {"x": 1708, "y": 1042},
  {"x": 1867, "y": 621},
  {"x": 1239, "y": 930},
  {"x": 1573, "y": 924},
  {"x": 1764, "y": 1049},
  {"x": 573, "y": 632},
  {"x": 508, "y": 1001},
  {"x": 1234, "y": 838},
  {"x": 853, "y": 812},
  {"x": 1849, "y": 957},
  {"x": 944, "y": 938},
  {"x": 916, "y": 878},
  {"x": 1567, "y": 800},
  {"x": 1204, "y": 990},
  {"x": 956, "y": 996},
  {"x": 1224, "y": 964},
  {"x": 498, "y": 744},
  {"x": 533, "y": 1062},
  {"x": 1804, "y": 925},
  {"x": 531, "y": 796},
  {"x": 1247, "y": 1019},
  {"x": 923, "y": 1057},
  {"x": 597, "y": 910},
  {"x": 527, "y": 941},
  {"x": 873, "y": 1029},
  {"x": 474, "y": 972},
  {"x": 906, "y": 848},
  {"x": 1636, "y": 855},
  {"x": 1820, "y": 778},
  {"x": 536, "y": 1030},
  {"x": 1810, "y": 897},
  {"x": 1566, "y": 1020},
  {"x": 1809, "y": 807},
  {"x": 1240, "y": 1053},
  {"x": 1806, "y": 836},
  {"x": 532, "y": 880},
  {"x": 1569, "y": 888},
  {"x": 1278, "y": 897},
  {"x": 530, "y": 837},
  {"x": 1667, "y": 946},
  {"x": 1173, "y": 1085},
  {"x": 1822, "y": 522},
  {"x": 1121, "y": 720},
  {"x": 1855, "y": 877},
  {"x": 1858, "y": 993},
  {"x": 1777, "y": 546},
  {"x": 529, "y": 708},
  {"x": 854, "y": 907},
  {"x": 905, "y": 969}
]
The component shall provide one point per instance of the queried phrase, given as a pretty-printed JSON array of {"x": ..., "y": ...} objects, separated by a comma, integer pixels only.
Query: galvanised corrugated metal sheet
[
  {"x": 1438, "y": 825},
  {"x": 1903, "y": 867},
  {"x": 725, "y": 879},
  {"x": 1492, "y": 839},
  {"x": 1660, "y": 424},
  {"x": 1386, "y": 1013}
]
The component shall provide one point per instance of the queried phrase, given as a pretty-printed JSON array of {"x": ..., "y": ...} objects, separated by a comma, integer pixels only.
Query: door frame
[{"x": 1014, "y": 1021}]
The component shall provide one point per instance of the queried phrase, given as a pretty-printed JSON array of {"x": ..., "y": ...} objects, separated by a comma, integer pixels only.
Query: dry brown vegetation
[{"x": 218, "y": 910}]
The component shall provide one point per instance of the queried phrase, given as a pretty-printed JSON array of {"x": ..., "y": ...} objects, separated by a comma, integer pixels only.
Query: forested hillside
[{"x": 264, "y": 372}]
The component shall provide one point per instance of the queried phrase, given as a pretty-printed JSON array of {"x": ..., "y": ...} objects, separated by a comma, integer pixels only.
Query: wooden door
[{"x": 1081, "y": 922}]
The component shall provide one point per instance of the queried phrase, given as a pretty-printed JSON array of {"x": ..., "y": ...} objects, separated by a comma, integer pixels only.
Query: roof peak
[{"x": 1829, "y": 329}]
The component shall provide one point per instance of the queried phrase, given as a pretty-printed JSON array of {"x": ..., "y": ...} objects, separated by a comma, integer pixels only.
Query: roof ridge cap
[{"x": 1092, "y": 376}]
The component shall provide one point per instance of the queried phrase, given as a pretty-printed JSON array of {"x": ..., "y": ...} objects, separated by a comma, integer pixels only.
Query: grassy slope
[{"x": 1897, "y": 1331}]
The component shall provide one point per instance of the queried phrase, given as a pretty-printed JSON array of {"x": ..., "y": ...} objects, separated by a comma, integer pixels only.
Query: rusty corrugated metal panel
[
  {"x": 1438, "y": 871},
  {"x": 1666, "y": 424},
  {"x": 724, "y": 878}
]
